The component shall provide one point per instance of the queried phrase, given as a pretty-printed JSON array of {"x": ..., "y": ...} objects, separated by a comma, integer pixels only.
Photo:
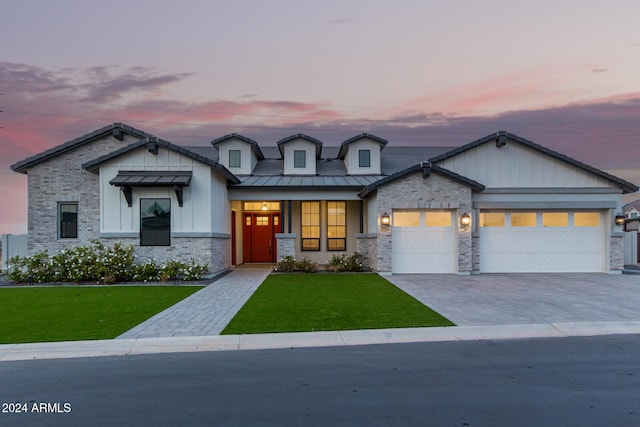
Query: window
[
  {"x": 234, "y": 158},
  {"x": 299, "y": 159},
  {"x": 155, "y": 222},
  {"x": 364, "y": 158},
  {"x": 336, "y": 226},
  {"x": 491, "y": 219},
  {"x": 555, "y": 219},
  {"x": 438, "y": 219},
  {"x": 523, "y": 219},
  {"x": 406, "y": 219},
  {"x": 310, "y": 226},
  {"x": 633, "y": 214},
  {"x": 586, "y": 219},
  {"x": 68, "y": 220}
]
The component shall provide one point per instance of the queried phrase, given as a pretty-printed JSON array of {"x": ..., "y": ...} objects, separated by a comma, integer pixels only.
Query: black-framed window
[
  {"x": 155, "y": 222},
  {"x": 310, "y": 221},
  {"x": 234, "y": 158},
  {"x": 299, "y": 159},
  {"x": 68, "y": 220},
  {"x": 364, "y": 158},
  {"x": 336, "y": 226}
]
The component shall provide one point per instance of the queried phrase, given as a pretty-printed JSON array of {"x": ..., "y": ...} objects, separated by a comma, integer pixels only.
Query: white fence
[
  {"x": 631, "y": 248},
  {"x": 12, "y": 246}
]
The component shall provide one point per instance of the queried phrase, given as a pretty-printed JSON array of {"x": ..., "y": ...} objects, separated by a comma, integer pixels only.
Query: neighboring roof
[
  {"x": 254, "y": 145},
  {"x": 93, "y": 165},
  {"x": 427, "y": 169},
  {"x": 501, "y": 137},
  {"x": 345, "y": 145},
  {"x": 631, "y": 205},
  {"x": 300, "y": 136},
  {"x": 117, "y": 129},
  {"x": 152, "y": 178}
]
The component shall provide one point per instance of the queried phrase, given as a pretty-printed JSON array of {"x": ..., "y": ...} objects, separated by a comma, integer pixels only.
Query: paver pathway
[{"x": 205, "y": 312}]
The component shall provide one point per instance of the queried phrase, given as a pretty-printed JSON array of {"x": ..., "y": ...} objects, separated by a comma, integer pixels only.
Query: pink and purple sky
[{"x": 565, "y": 74}]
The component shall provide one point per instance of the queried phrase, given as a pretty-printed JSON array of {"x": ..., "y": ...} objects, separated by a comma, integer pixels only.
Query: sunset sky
[{"x": 564, "y": 74}]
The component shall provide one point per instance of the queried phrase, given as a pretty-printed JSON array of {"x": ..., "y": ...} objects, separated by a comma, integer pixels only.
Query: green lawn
[
  {"x": 69, "y": 313},
  {"x": 329, "y": 302}
]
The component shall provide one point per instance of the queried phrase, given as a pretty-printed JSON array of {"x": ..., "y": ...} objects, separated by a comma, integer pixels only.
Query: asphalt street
[{"x": 575, "y": 381}]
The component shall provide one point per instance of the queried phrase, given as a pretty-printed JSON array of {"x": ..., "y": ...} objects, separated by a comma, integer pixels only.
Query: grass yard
[
  {"x": 330, "y": 302},
  {"x": 70, "y": 313}
]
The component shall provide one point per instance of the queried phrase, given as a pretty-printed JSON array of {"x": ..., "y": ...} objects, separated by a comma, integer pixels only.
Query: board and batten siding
[
  {"x": 515, "y": 165},
  {"x": 194, "y": 216},
  {"x": 302, "y": 145},
  {"x": 352, "y": 159}
]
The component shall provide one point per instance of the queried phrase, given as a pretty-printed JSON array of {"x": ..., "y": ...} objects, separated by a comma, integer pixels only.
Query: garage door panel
[
  {"x": 422, "y": 249},
  {"x": 541, "y": 249}
]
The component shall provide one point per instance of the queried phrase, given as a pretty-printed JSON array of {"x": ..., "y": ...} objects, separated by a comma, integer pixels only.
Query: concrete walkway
[{"x": 205, "y": 312}]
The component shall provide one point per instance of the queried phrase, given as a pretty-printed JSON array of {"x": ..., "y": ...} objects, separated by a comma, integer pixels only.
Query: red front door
[{"x": 259, "y": 236}]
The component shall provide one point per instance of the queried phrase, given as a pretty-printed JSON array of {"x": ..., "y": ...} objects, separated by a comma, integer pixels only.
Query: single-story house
[{"x": 498, "y": 204}]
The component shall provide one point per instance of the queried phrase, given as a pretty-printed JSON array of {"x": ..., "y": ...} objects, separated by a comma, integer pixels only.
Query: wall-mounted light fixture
[
  {"x": 264, "y": 206},
  {"x": 465, "y": 219},
  {"x": 385, "y": 219},
  {"x": 620, "y": 219}
]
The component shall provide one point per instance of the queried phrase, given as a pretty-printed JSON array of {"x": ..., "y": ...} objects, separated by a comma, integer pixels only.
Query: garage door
[
  {"x": 544, "y": 241},
  {"x": 423, "y": 242}
]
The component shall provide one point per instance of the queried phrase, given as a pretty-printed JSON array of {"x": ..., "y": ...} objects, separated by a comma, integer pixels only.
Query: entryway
[{"x": 259, "y": 236}]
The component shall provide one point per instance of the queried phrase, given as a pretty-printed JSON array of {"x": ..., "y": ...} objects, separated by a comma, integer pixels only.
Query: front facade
[{"x": 498, "y": 204}]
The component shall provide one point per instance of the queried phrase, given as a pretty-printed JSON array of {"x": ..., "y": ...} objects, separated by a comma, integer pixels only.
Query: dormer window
[
  {"x": 364, "y": 158},
  {"x": 234, "y": 158},
  {"x": 299, "y": 159}
]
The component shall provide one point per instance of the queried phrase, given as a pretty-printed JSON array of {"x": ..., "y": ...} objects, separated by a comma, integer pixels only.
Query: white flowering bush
[
  {"x": 100, "y": 264},
  {"x": 344, "y": 262},
  {"x": 289, "y": 264}
]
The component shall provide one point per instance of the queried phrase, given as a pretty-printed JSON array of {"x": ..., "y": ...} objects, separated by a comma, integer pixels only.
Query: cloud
[
  {"x": 599, "y": 70},
  {"x": 341, "y": 21}
]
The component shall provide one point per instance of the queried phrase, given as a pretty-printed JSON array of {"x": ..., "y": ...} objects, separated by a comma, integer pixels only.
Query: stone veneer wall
[
  {"x": 616, "y": 252},
  {"x": 366, "y": 245},
  {"x": 475, "y": 250},
  {"x": 215, "y": 251},
  {"x": 62, "y": 179},
  {"x": 286, "y": 244},
  {"x": 416, "y": 192}
]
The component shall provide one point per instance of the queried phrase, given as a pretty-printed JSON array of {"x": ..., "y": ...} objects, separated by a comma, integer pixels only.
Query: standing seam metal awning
[{"x": 129, "y": 179}]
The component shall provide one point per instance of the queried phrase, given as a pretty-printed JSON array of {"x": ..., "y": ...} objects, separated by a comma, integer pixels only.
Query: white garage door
[
  {"x": 551, "y": 241},
  {"x": 423, "y": 242}
]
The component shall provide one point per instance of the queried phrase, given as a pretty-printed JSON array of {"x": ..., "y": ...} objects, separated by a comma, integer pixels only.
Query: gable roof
[
  {"x": 116, "y": 129},
  {"x": 427, "y": 169},
  {"x": 300, "y": 136},
  {"x": 345, "y": 145},
  {"x": 94, "y": 165},
  {"x": 502, "y": 137},
  {"x": 254, "y": 145}
]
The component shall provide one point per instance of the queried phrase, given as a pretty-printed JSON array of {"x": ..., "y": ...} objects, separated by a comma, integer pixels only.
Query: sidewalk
[{"x": 129, "y": 347}]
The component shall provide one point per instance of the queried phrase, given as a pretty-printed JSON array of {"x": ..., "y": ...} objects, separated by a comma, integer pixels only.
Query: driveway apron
[
  {"x": 503, "y": 299},
  {"x": 205, "y": 312}
]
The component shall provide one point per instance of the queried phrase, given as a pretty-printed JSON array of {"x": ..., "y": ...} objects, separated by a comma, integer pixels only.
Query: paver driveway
[{"x": 497, "y": 299}]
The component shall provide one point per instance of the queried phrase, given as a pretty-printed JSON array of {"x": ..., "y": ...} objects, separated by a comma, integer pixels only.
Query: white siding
[
  {"x": 194, "y": 216},
  {"x": 372, "y": 214},
  {"x": 515, "y": 165},
  {"x": 299, "y": 144},
  {"x": 351, "y": 160},
  {"x": 220, "y": 216},
  {"x": 248, "y": 159}
]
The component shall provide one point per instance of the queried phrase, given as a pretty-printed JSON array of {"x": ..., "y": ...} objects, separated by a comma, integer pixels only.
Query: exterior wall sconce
[
  {"x": 385, "y": 219},
  {"x": 620, "y": 219},
  {"x": 465, "y": 219}
]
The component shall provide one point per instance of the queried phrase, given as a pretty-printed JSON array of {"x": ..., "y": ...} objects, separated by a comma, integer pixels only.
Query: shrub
[
  {"x": 286, "y": 264},
  {"x": 98, "y": 263},
  {"x": 306, "y": 265},
  {"x": 344, "y": 262}
]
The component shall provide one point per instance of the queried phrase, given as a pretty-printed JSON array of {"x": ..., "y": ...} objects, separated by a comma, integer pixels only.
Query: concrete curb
[{"x": 126, "y": 347}]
